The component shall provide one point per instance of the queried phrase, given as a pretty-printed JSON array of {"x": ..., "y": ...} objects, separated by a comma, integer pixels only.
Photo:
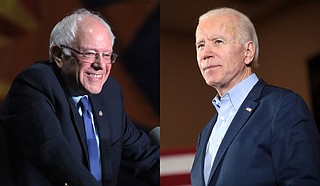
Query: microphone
[{"x": 155, "y": 135}]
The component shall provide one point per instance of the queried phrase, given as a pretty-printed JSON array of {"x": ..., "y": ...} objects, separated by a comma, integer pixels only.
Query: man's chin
[{"x": 94, "y": 91}]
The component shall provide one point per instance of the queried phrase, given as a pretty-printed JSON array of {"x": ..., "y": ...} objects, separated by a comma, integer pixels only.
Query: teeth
[{"x": 96, "y": 75}]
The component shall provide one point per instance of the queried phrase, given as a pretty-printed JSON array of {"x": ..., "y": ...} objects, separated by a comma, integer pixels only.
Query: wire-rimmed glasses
[{"x": 91, "y": 56}]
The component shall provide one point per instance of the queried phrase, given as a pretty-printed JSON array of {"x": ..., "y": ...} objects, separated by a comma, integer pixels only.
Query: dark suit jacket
[
  {"x": 272, "y": 140},
  {"x": 46, "y": 138}
]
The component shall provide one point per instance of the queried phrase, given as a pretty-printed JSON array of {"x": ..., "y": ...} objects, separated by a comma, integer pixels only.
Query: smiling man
[
  {"x": 261, "y": 134},
  {"x": 65, "y": 120}
]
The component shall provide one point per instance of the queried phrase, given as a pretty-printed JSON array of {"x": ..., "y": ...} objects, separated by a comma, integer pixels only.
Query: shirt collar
[
  {"x": 238, "y": 93},
  {"x": 76, "y": 99}
]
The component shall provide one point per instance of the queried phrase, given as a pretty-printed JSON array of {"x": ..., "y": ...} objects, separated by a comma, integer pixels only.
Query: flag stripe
[
  {"x": 175, "y": 180},
  {"x": 176, "y": 164}
]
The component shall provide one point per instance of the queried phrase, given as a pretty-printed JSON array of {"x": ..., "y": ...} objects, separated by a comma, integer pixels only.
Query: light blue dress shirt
[{"x": 227, "y": 107}]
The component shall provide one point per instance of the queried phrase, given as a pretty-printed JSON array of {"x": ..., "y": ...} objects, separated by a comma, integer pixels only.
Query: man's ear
[
  {"x": 250, "y": 49},
  {"x": 57, "y": 55}
]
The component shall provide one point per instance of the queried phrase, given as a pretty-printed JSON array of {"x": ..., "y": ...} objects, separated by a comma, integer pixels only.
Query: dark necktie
[{"x": 91, "y": 139}]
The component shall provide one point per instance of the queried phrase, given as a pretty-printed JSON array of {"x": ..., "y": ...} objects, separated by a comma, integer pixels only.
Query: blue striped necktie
[{"x": 91, "y": 139}]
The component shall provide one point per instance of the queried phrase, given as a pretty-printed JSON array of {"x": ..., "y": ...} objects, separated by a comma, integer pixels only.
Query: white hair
[
  {"x": 64, "y": 33},
  {"x": 246, "y": 29}
]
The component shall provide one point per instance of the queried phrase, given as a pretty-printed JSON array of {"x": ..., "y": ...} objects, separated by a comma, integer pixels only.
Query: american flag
[{"x": 175, "y": 167}]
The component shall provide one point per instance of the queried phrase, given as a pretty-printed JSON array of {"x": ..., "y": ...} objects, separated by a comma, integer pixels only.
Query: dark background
[
  {"x": 25, "y": 27},
  {"x": 289, "y": 36}
]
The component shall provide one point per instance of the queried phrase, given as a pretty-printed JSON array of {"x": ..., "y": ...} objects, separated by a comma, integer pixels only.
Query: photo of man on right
[{"x": 261, "y": 134}]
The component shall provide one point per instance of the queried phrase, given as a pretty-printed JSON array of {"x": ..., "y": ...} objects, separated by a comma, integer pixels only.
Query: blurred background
[
  {"x": 24, "y": 39},
  {"x": 172, "y": 91},
  {"x": 289, "y": 36},
  {"x": 25, "y": 27}
]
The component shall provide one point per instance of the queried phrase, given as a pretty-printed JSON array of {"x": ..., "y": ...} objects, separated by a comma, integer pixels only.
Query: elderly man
[
  {"x": 64, "y": 119},
  {"x": 261, "y": 134}
]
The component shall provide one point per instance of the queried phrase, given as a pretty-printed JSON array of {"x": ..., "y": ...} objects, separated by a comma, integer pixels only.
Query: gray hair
[
  {"x": 64, "y": 33},
  {"x": 246, "y": 29}
]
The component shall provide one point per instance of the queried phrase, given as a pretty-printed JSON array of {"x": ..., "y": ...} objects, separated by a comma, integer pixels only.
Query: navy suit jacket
[
  {"x": 272, "y": 140},
  {"x": 46, "y": 140}
]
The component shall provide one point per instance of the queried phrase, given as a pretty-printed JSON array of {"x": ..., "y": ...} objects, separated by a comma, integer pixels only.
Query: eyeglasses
[{"x": 91, "y": 56}]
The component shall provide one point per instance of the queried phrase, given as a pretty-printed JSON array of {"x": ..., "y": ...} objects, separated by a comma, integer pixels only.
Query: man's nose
[
  {"x": 98, "y": 62},
  {"x": 208, "y": 51}
]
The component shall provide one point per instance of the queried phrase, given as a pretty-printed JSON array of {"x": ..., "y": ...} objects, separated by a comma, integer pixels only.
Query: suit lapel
[
  {"x": 75, "y": 116},
  {"x": 245, "y": 111},
  {"x": 197, "y": 176},
  {"x": 101, "y": 119},
  {"x": 78, "y": 124}
]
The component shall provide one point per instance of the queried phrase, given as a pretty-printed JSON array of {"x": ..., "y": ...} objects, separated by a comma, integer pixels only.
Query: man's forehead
[
  {"x": 216, "y": 25},
  {"x": 219, "y": 20}
]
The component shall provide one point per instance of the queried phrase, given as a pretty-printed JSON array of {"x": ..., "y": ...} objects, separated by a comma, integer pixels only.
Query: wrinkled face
[
  {"x": 220, "y": 56},
  {"x": 85, "y": 77}
]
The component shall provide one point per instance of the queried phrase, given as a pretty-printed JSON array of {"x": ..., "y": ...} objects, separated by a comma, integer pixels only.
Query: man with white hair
[
  {"x": 64, "y": 118},
  {"x": 261, "y": 134}
]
